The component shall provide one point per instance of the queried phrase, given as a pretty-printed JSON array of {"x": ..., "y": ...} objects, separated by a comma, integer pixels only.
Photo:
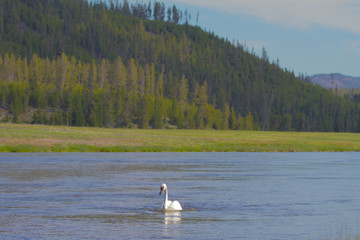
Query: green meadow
[{"x": 41, "y": 138}]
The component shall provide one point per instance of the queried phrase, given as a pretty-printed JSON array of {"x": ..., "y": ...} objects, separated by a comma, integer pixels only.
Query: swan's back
[{"x": 175, "y": 205}]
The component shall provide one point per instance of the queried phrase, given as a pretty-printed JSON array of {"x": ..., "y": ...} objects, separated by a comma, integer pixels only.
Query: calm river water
[{"x": 224, "y": 195}]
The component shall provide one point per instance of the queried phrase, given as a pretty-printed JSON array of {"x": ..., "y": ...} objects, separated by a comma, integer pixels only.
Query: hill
[
  {"x": 335, "y": 80},
  {"x": 143, "y": 65}
]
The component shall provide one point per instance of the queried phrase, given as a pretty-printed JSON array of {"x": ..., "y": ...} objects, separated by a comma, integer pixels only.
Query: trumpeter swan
[{"x": 169, "y": 205}]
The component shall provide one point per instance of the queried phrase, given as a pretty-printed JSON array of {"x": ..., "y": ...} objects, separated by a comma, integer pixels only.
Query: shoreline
[{"x": 44, "y": 138}]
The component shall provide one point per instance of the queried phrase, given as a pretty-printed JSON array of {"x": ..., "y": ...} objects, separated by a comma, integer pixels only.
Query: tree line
[
  {"x": 156, "y": 11},
  {"x": 66, "y": 91},
  {"x": 125, "y": 65}
]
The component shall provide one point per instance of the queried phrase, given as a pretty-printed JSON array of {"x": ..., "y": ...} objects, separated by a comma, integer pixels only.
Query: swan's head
[{"x": 162, "y": 188}]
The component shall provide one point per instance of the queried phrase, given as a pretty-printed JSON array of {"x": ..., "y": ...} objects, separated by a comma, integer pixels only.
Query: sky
[{"x": 306, "y": 36}]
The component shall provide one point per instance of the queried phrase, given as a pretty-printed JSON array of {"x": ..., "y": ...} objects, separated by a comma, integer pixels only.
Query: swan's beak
[{"x": 161, "y": 190}]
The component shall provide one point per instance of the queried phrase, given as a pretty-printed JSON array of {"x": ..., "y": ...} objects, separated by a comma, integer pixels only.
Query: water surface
[{"x": 224, "y": 195}]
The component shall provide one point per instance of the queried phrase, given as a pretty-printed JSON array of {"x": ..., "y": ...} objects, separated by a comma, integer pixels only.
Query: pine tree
[
  {"x": 157, "y": 118},
  {"x": 249, "y": 122},
  {"x": 77, "y": 108},
  {"x": 175, "y": 113},
  {"x": 232, "y": 120},
  {"x": 226, "y": 115},
  {"x": 202, "y": 114},
  {"x": 145, "y": 111}
]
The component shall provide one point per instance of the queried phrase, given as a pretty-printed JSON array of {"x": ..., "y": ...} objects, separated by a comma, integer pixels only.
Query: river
[{"x": 223, "y": 195}]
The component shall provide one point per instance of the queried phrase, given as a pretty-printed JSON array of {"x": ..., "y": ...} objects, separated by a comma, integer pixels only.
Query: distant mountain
[{"x": 337, "y": 81}]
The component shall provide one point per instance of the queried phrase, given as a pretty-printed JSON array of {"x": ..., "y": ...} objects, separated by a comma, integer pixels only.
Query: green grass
[{"x": 39, "y": 138}]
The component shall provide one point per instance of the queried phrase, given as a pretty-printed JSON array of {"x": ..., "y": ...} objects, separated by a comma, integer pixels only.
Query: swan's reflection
[{"x": 172, "y": 217}]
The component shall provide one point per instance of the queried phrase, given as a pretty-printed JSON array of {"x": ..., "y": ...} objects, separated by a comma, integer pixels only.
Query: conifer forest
[{"x": 147, "y": 65}]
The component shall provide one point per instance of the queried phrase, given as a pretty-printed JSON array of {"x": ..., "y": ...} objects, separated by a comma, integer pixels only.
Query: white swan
[{"x": 169, "y": 205}]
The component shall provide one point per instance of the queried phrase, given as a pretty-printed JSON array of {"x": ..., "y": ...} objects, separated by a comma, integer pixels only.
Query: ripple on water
[{"x": 232, "y": 195}]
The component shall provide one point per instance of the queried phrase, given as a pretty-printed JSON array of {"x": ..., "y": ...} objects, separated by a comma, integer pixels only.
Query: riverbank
[{"x": 41, "y": 138}]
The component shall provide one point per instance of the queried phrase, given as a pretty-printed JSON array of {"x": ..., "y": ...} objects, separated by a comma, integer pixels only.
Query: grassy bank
[{"x": 39, "y": 138}]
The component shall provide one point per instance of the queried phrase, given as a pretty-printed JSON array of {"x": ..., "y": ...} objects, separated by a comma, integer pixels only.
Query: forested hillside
[{"x": 143, "y": 65}]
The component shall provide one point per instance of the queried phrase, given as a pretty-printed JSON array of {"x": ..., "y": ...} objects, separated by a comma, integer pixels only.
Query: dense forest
[{"x": 116, "y": 64}]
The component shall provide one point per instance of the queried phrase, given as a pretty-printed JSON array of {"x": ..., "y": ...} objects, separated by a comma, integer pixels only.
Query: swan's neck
[{"x": 166, "y": 198}]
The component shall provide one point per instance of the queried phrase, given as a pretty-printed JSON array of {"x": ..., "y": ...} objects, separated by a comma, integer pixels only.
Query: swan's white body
[{"x": 169, "y": 205}]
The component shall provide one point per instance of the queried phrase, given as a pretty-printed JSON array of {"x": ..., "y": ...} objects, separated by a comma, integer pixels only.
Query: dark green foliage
[
  {"x": 117, "y": 64},
  {"x": 145, "y": 110}
]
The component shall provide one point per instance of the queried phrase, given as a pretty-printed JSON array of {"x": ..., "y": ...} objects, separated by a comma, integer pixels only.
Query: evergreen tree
[
  {"x": 145, "y": 111},
  {"x": 249, "y": 122},
  {"x": 233, "y": 123},
  {"x": 157, "y": 119}
]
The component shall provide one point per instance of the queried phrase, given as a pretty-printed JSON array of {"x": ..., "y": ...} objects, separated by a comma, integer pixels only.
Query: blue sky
[{"x": 307, "y": 36}]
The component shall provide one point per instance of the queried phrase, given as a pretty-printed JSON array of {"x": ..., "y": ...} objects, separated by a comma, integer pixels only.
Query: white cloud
[{"x": 302, "y": 14}]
